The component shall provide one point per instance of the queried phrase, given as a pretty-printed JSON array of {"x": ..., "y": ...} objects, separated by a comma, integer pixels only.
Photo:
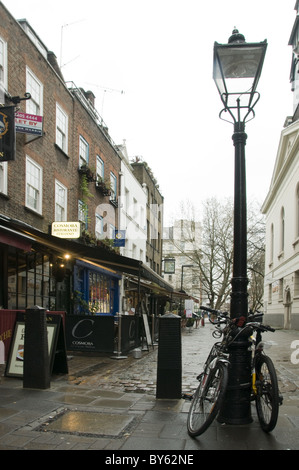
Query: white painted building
[
  {"x": 132, "y": 211},
  {"x": 281, "y": 208},
  {"x": 179, "y": 242}
]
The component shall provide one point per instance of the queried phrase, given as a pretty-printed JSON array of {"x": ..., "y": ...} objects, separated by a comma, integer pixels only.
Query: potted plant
[{"x": 103, "y": 186}]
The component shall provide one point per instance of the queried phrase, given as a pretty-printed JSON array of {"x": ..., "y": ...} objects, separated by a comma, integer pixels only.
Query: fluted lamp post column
[{"x": 236, "y": 72}]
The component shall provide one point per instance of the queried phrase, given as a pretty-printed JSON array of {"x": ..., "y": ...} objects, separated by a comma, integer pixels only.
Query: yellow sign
[{"x": 66, "y": 229}]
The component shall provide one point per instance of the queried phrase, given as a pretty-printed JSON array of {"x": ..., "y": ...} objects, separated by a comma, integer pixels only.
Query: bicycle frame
[{"x": 213, "y": 381}]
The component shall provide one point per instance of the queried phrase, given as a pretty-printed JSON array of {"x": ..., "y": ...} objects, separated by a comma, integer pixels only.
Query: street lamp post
[{"x": 238, "y": 63}]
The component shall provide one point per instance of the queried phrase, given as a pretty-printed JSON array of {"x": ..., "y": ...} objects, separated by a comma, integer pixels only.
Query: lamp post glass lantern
[
  {"x": 236, "y": 72},
  {"x": 238, "y": 64}
]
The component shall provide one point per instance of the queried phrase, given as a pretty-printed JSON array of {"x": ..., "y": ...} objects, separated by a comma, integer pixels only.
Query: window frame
[
  {"x": 99, "y": 223},
  {"x": 83, "y": 211},
  {"x": 113, "y": 185},
  {"x": 59, "y": 185},
  {"x": 3, "y": 178},
  {"x": 100, "y": 168},
  {"x": 39, "y": 189},
  {"x": 82, "y": 159},
  {"x": 282, "y": 230},
  {"x": 60, "y": 132},
  {"x": 3, "y": 66},
  {"x": 38, "y": 105}
]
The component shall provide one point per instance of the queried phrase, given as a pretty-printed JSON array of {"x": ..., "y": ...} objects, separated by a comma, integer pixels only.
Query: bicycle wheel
[
  {"x": 267, "y": 397},
  {"x": 207, "y": 400}
]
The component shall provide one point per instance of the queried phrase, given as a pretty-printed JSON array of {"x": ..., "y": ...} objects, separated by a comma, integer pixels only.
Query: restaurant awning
[
  {"x": 14, "y": 238},
  {"x": 99, "y": 255}
]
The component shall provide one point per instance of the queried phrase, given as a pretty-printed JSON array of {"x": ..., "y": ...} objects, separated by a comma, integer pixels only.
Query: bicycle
[{"x": 208, "y": 397}]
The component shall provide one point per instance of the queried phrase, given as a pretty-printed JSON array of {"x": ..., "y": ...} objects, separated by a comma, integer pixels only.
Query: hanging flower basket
[
  {"x": 87, "y": 172},
  {"x": 103, "y": 187}
]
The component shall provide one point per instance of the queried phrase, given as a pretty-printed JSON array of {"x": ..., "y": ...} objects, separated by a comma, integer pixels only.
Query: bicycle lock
[{"x": 242, "y": 61}]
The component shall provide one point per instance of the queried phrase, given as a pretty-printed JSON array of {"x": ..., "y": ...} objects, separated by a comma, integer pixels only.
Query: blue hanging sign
[{"x": 119, "y": 238}]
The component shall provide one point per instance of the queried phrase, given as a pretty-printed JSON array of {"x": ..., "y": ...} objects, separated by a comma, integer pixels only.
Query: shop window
[
  {"x": 95, "y": 292},
  {"x": 99, "y": 293},
  {"x": 30, "y": 281}
]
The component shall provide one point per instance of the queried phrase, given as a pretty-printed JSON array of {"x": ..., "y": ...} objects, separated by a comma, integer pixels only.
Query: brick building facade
[{"x": 68, "y": 173}]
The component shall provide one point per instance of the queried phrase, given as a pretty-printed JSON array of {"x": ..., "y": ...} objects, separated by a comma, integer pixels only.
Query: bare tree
[
  {"x": 214, "y": 254},
  {"x": 255, "y": 255}
]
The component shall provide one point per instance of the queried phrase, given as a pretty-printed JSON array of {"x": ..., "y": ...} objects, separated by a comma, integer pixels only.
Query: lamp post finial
[{"x": 236, "y": 37}]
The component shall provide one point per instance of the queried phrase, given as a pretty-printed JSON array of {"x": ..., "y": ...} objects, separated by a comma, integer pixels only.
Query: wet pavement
[{"x": 109, "y": 403}]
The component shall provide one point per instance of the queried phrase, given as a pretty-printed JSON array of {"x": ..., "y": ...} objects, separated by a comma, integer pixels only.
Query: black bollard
[
  {"x": 36, "y": 355},
  {"x": 169, "y": 371}
]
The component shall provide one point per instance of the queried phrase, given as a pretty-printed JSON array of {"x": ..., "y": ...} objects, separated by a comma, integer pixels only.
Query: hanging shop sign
[
  {"x": 66, "y": 229},
  {"x": 29, "y": 124},
  {"x": 169, "y": 266},
  {"x": 7, "y": 134}
]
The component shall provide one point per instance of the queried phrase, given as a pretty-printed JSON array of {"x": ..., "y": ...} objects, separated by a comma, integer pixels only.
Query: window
[
  {"x": 61, "y": 129},
  {"x": 100, "y": 169},
  {"x": 60, "y": 202},
  {"x": 271, "y": 243},
  {"x": 30, "y": 280},
  {"x": 99, "y": 227},
  {"x": 113, "y": 182},
  {"x": 280, "y": 289},
  {"x": 3, "y": 66},
  {"x": 83, "y": 152},
  {"x": 82, "y": 213},
  {"x": 112, "y": 231},
  {"x": 99, "y": 297},
  {"x": 3, "y": 177},
  {"x": 296, "y": 284},
  {"x": 297, "y": 212},
  {"x": 270, "y": 293},
  {"x": 282, "y": 229},
  {"x": 35, "y": 88},
  {"x": 34, "y": 175}
]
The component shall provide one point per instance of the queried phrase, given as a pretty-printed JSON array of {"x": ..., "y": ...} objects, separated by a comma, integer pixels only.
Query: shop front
[{"x": 92, "y": 285}]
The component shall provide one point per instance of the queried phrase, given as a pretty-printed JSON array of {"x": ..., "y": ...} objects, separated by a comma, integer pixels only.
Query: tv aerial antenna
[{"x": 61, "y": 41}]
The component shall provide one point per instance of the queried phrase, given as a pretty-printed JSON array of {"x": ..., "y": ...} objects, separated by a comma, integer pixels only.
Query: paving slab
[
  {"x": 103, "y": 404},
  {"x": 90, "y": 423}
]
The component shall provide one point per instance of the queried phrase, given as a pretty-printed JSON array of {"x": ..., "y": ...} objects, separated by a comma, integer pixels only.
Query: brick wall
[{"x": 56, "y": 164}]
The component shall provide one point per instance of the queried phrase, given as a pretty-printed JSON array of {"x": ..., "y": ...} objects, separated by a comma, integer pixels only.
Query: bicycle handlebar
[{"x": 222, "y": 317}]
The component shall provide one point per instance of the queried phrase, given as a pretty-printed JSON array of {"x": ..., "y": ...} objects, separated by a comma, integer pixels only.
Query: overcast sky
[{"x": 159, "y": 54}]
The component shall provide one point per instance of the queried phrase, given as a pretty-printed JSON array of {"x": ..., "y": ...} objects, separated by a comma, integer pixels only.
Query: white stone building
[
  {"x": 132, "y": 211},
  {"x": 281, "y": 208},
  {"x": 177, "y": 246}
]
